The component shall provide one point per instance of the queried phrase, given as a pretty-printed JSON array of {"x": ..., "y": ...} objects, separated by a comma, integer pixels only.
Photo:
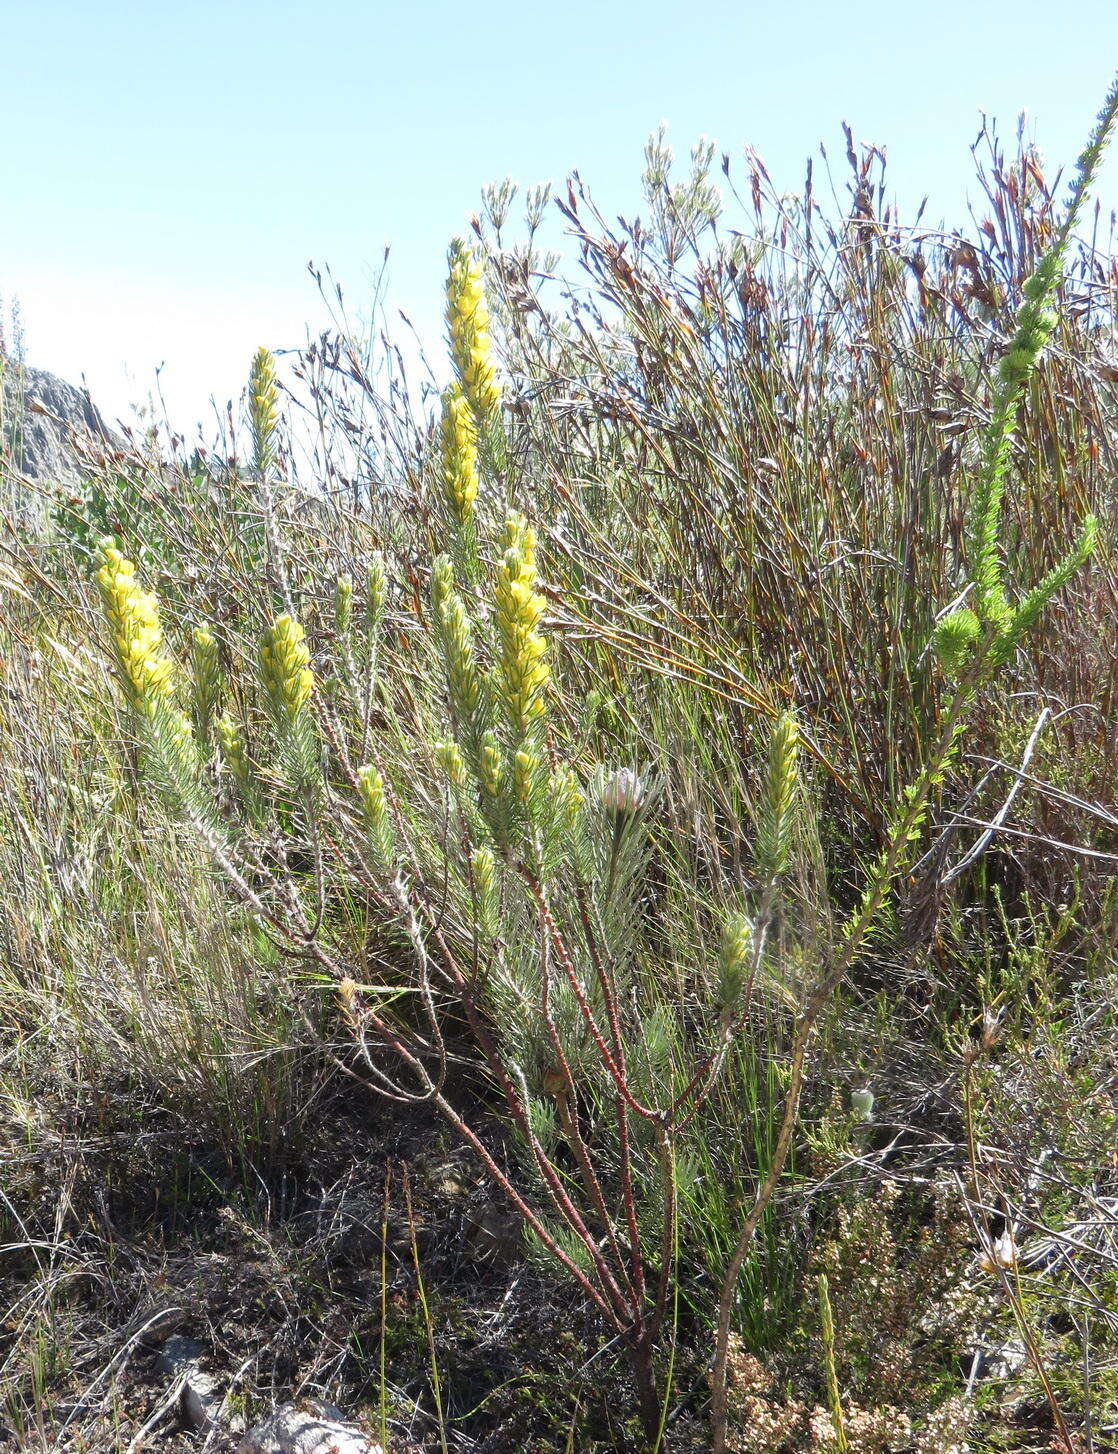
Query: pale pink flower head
[{"x": 623, "y": 793}]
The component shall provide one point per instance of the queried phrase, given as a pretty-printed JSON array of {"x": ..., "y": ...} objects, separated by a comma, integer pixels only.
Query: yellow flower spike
[
  {"x": 442, "y": 584},
  {"x": 484, "y": 867},
  {"x": 285, "y": 666},
  {"x": 371, "y": 785},
  {"x": 733, "y": 957},
  {"x": 523, "y": 667},
  {"x": 263, "y": 411},
  {"x": 133, "y": 616},
  {"x": 378, "y": 819},
  {"x": 452, "y": 622},
  {"x": 517, "y": 534},
  {"x": 467, "y": 316},
  {"x": 459, "y": 453}
]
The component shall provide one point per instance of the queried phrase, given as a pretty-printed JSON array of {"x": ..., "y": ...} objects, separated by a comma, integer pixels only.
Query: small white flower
[{"x": 1001, "y": 1254}]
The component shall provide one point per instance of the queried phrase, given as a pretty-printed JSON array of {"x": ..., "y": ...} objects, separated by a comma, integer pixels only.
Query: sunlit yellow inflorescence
[
  {"x": 467, "y": 316},
  {"x": 523, "y": 667},
  {"x": 133, "y": 615},
  {"x": 285, "y": 666},
  {"x": 459, "y": 453},
  {"x": 148, "y": 674},
  {"x": 263, "y": 410}
]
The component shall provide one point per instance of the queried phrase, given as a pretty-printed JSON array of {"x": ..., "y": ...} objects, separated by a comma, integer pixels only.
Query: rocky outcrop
[{"x": 51, "y": 434}]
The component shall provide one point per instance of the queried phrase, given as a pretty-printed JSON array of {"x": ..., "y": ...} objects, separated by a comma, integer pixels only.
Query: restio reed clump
[{"x": 548, "y": 751}]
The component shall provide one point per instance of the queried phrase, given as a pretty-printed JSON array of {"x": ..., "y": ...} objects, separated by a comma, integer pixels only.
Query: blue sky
[{"x": 169, "y": 169}]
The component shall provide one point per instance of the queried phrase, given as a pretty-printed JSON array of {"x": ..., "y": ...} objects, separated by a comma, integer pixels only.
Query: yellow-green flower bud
[
  {"x": 526, "y": 765},
  {"x": 378, "y": 820},
  {"x": 489, "y": 764},
  {"x": 377, "y": 582},
  {"x": 232, "y": 741},
  {"x": 263, "y": 411},
  {"x": 206, "y": 672},
  {"x": 483, "y": 866},
  {"x": 449, "y": 757},
  {"x": 442, "y": 584},
  {"x": 733, "y": 957},
  {"x": 285, "y": 667}
]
